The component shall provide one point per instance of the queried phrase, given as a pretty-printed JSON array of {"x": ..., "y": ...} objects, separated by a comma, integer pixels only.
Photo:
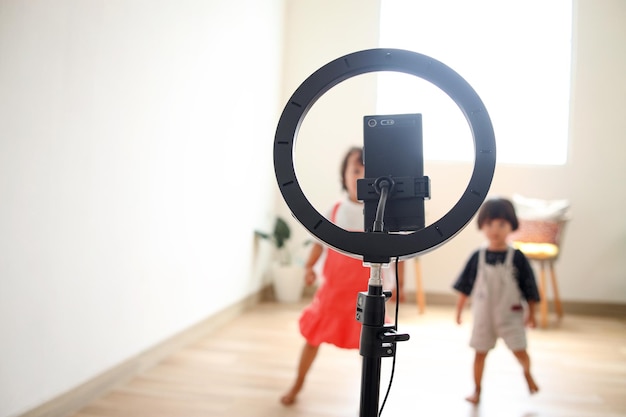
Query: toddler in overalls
[{"x": 501, "y": 282}]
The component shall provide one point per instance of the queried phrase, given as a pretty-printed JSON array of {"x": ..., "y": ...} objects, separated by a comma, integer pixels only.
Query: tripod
[{"x": 377, "y": 340}]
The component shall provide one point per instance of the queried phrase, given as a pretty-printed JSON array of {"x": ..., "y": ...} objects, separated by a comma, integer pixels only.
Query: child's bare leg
[
  {"x": 309, "y": 352},
  {"x": 479, "y": 366},
  {"x": 524, "y": 360}
]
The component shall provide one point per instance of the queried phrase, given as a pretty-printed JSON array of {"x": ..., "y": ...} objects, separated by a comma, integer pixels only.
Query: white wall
[
  {"x": 592, "y": 267},
  {"x": 135, "y": 163}
]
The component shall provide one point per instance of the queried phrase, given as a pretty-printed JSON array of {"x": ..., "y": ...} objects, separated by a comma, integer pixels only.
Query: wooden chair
[{"x": 540, "y": 241}]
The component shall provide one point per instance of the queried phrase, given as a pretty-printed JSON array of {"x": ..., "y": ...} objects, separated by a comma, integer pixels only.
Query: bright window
[{"x": 516, "y": 55}]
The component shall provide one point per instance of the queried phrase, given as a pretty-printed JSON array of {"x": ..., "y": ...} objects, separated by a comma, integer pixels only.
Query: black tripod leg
[
  {"x": 371, "y": 313},
  {"x": 370, "y": 387}
]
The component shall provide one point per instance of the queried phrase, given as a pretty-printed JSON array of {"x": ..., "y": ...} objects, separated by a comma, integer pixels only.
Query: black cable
[
  {"x": 384, "y": 186},
  {"x": 395, "y": 327}
]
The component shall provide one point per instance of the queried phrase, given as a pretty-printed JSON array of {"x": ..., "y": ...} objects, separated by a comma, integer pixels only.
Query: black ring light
[{"x": 381, "y": 247}]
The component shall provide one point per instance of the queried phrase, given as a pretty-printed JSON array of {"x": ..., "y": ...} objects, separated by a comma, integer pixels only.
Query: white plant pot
[{"x": 288, "y": 282}]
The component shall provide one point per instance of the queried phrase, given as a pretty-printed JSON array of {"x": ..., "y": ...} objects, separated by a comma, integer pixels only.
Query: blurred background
[{"x": 136, "y": 163}]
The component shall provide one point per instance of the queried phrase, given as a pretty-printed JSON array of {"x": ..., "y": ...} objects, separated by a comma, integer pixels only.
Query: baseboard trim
[
  {"x": 77, "y": 398},
  {"x": 612, "y": 310}
]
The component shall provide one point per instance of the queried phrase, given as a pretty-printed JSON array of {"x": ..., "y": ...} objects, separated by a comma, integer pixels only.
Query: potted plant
[{"x": 287, "y": 275}]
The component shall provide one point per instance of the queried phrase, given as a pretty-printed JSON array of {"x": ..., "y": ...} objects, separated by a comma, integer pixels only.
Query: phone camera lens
[{"x": 371, "y": 122}]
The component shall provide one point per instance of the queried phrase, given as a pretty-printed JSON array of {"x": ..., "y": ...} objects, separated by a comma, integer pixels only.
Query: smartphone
[{"x": 393, "y": 147}]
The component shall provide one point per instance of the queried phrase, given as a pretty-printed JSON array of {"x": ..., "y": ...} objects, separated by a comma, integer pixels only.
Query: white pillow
[{"x": 537, "y": 209}]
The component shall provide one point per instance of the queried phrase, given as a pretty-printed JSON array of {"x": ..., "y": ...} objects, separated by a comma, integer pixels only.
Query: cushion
[
  {"x": 537, "y": 209},
  {"x": 537, "y": 231}
]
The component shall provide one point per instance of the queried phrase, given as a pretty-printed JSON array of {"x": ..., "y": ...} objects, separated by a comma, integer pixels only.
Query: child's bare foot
[
  {"x": 474, "y": 398},
  {"x": 290, "y": 397},
  {"x": 532, "y": 386}
]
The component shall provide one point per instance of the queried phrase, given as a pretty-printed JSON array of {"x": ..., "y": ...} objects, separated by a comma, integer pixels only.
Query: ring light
[{"x": 381, "y": 247}]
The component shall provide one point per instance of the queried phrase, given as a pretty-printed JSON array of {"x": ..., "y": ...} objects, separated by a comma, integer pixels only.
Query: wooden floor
[{"x": 241, "y": 371}]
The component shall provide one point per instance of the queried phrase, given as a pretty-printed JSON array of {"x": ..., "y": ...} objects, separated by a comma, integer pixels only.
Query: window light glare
[{"x": 516, "y": 57}]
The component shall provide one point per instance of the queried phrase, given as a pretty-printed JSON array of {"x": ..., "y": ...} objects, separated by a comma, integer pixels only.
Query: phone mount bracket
[{"x": 402, "y": 187}]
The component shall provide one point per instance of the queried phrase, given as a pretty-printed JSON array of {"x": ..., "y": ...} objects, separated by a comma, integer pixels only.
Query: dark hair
[
  {"x": 344, "y": 163},
  {"x": 498, "y": 208}
]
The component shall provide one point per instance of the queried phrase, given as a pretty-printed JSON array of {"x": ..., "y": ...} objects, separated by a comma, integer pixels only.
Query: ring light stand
[{"x": 378, "y": 340}]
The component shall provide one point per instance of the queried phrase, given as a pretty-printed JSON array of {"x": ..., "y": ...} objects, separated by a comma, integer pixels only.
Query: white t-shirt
[{"x": 349, "y": 215}]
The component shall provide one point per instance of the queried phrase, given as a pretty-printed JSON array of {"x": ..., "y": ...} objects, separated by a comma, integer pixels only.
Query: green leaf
[{"x": 281, "y": 232}]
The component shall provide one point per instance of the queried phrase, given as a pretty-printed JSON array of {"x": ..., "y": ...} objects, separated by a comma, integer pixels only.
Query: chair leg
[
  {"x": 419, "y": 289},
  {"x": 555, "y": 291},
  {"x": 543, "y": 303}
]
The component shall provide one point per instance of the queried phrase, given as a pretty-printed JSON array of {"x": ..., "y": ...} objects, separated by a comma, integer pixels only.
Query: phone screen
[{"x": 392, "y": 147}]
